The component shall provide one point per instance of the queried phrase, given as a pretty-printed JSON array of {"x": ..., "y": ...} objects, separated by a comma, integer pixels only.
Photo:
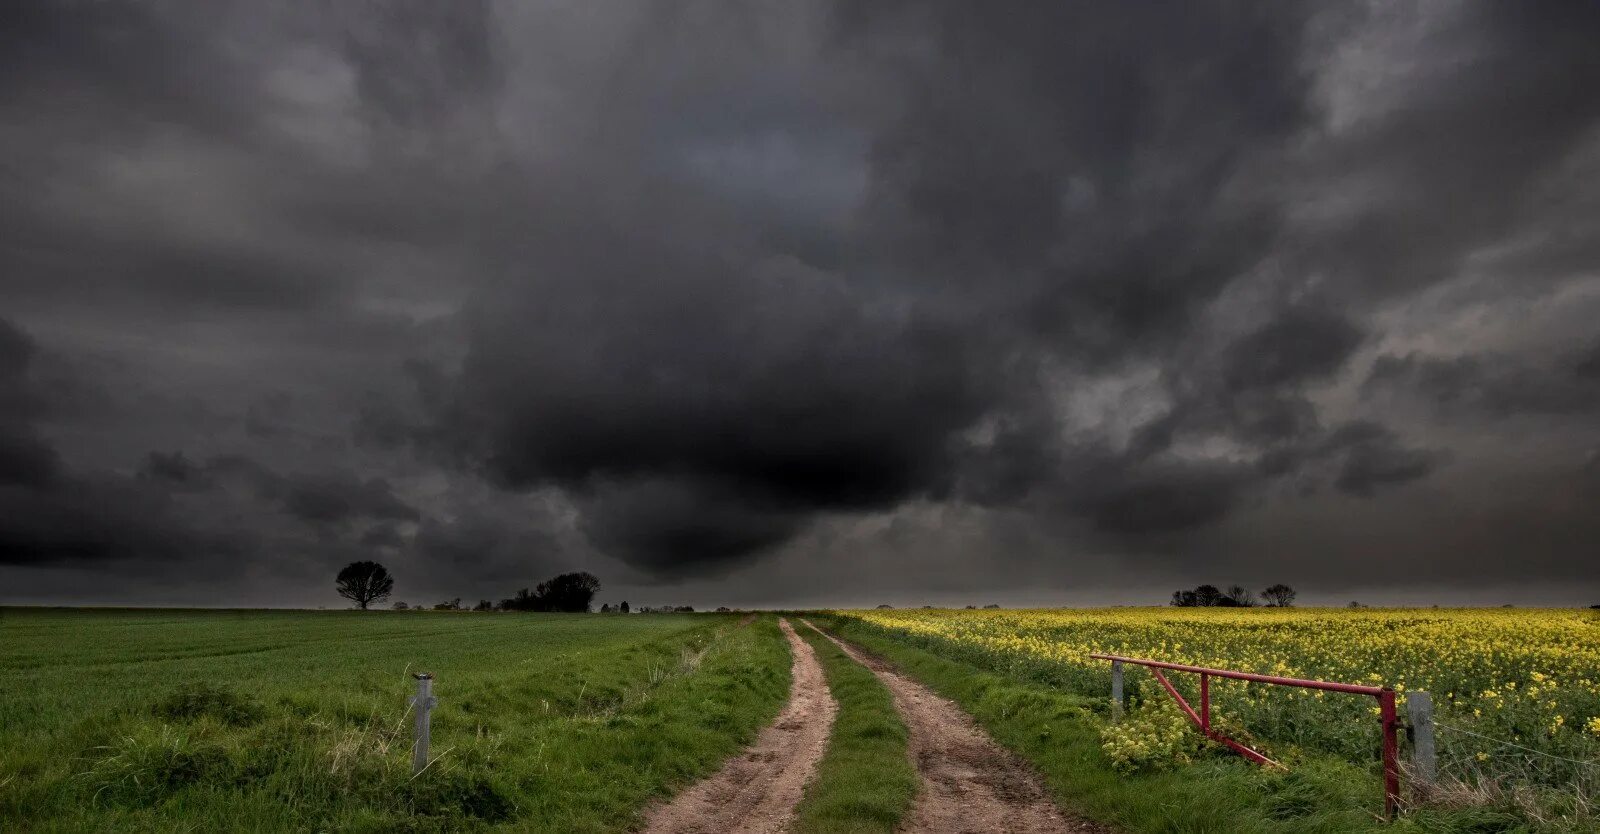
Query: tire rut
[
  {"x": 970, "y": 784},
  {"x": 756, "y": 792}
]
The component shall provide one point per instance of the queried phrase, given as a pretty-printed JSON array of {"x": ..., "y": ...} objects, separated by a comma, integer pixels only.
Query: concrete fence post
[
  {"x": 1424, "y": 756},
  {"x": 424, "y": 702},
  {"x": 1116, "y": 689}
]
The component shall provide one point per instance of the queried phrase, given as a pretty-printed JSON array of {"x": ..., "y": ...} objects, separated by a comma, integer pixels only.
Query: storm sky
[{"x": 766, "y": 303}]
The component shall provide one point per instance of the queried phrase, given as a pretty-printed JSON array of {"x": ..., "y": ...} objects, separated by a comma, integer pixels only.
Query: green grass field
[{"x": 275, "y": 720}]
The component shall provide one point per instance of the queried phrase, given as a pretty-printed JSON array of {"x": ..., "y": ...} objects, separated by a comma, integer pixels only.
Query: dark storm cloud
[
  {"x": 1498, "y": 100},
  {"x": 1166, "y": 501},
  {"x": 710, "y": 418},
  {"x": 174, "y": 469},
  {"x": 1369, "y": 466},
  {"x": 51, "y": 514},
  {"x": 690, "y": 292},
  {"x": 1298, "y": 345},
  {"x": 672, "y": 526},
  {"x": 321, "y": 499},
  {"x": 25, "y": 459},
  {"x": 1495, "y": 385},
  {"x": 341, "y": 498},
  {"x": 704, "y": 397}
]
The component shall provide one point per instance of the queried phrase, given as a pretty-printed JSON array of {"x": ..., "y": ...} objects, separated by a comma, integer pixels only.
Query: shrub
[
  {"x": 1155, "y": 736},
  {"x": 145, "y": 767}
]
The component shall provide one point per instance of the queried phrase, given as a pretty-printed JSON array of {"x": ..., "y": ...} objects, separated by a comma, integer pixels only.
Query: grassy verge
[
  {"x": 284, "y": 721},
  {"x": 1060, "y": 734},
  {"x": 865, "y": 781}
]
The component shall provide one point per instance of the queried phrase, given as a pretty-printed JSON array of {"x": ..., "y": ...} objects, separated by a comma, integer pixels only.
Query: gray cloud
[
  {"x": 54, "y": 514},
  {"x": 1115, "y": 293},
  {"x": 341, "y": 498},
  {"x": 1496, "y": 385}
]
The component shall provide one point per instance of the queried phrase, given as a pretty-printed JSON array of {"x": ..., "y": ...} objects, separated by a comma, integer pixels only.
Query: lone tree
[
  {"x": 1279, "y": 596},
  {"x": 623, "y": 607},
  {"x": 364, "y": 583}
]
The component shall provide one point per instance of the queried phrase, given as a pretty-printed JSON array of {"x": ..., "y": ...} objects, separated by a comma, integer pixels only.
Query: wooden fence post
[
  {"x": 424, "y": 702},
  {"x": 1424, "y": 757}
]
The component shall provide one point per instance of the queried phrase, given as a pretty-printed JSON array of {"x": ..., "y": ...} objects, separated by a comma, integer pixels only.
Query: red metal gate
[{"x": 1384, "y": 694}]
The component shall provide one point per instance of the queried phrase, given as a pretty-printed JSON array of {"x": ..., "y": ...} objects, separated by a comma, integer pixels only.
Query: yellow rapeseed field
[{"x": 1499, "y": 677}]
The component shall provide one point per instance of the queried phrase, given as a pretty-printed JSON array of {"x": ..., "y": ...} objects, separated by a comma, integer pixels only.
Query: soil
[
  {"x": 756, "y": 792},
  {"x": 970, "y": 784}
]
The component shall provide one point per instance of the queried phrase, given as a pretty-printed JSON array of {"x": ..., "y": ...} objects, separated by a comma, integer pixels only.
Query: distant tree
[
  {"x": 1208, "y": 596},
  {"x": 992, "y": 605},
  {"x": 401, "y": 606},
  {"x": 1237, "y": 597},
  {"x": 684, "y": 609},
  {"x": 483, "y": 605},
  {"x": 1354, "y": 604},
  {"x": 605, "y": 608},
  {"x": 1279, "y": 596},
  {"x": 972, "y": 608},
  {"x": 364, "y": 583},
  {"x": 572, "y": 592},
  {"x": 885, "y": 605},
  {"x": 723, "y": 609},
  {"x": 623, "y": 607},
  {"x": 569, "y": 592},
  {"x": 449, "y": 605}
]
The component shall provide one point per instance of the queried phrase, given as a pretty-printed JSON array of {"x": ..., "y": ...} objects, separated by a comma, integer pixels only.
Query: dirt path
[
  {"x": 970, "y": 784},
  {"x": 756, "y": 792}
]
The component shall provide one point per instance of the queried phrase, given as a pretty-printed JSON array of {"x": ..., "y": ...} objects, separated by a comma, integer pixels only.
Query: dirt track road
[
  {"x": 970, "y": 784},
  {"x": 756, "y": 792}
]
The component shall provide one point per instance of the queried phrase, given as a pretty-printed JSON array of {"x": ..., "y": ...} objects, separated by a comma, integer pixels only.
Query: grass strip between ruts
[{"x": 865, "y": 781}]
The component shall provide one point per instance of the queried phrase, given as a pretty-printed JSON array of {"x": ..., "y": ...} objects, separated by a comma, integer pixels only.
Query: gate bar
[{"x": 1386, "y": 711}]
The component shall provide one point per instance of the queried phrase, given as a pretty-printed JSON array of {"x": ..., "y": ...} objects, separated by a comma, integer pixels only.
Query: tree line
[
  {"x": 366, "y": 583},
  {"x": 1210, "y": 596}
]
